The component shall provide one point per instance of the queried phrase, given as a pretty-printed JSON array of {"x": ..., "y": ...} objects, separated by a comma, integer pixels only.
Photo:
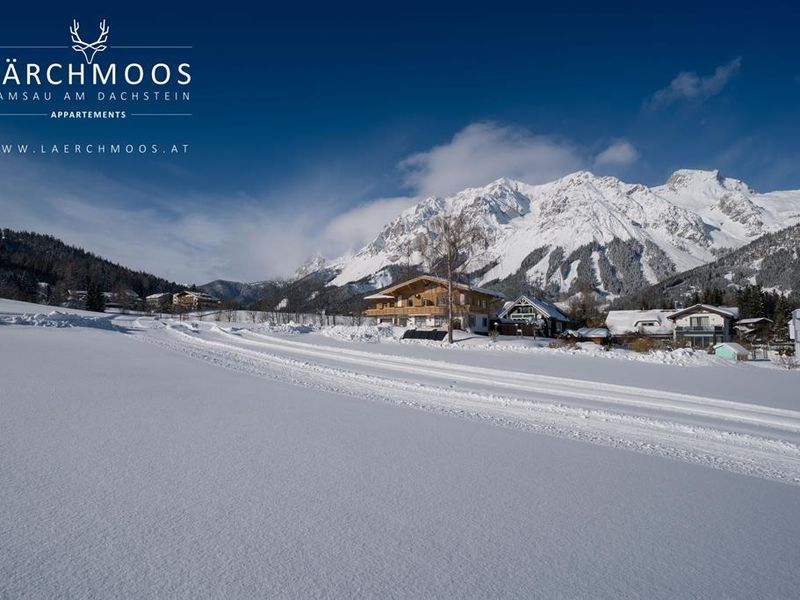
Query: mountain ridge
[{"x": 616, "y": 236}]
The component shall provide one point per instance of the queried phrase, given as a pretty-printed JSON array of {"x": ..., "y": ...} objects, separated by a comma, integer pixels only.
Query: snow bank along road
[{"x": 745, "y": 438}]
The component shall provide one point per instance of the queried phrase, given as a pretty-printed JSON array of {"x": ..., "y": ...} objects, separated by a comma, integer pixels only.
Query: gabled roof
[
  {"x": 386, "y": 292},
  {"x": 754, "y": 321},
  {"x": 729, "y": 312},
  {"x": 544, "y": 308}
]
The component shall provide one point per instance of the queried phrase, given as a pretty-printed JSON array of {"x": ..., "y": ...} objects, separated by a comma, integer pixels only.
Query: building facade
[
  {"x": 703, "y": 325},
  {"x": 794, "y": 331},
  {"x": 187, "y": 300},
  {"x": 531, "y": 316},
  {"x": 421, "y": 302}
]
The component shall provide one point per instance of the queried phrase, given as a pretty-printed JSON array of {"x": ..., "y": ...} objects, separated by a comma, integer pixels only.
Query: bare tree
[
  {"x": 584, "y": 307},
  {"x": 448, "y": 249}
]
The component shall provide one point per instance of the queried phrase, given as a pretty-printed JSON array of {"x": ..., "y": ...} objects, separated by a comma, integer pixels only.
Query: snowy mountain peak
[
  {"x": 313, "y": 264},
  {"x": 583, "y": 227}
]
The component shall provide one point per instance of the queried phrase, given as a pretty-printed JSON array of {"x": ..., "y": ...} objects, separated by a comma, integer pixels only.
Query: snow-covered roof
[
  {"x": 738, "y": 348},
  {"x": 593, "y": 332},
  {"x": 620, "y": 322},
  {"x": 379, "y": 296},
  {"x": 754, "y": 321},
  {"x": 198, "y": 295},
  {"x": 544, "y": 308},
  {"x": 588, "y": 332},
  {"x": 440, "y": 281},
  {"x": 158, "y": 296},
  {"x": 731, "y": 312}
]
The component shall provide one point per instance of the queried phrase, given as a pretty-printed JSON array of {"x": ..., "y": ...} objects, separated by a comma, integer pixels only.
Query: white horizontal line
[
  {"x": 161, "y": 114},
  {"x": 24, "y": 114},
  {"x": 128, "y": 47}
]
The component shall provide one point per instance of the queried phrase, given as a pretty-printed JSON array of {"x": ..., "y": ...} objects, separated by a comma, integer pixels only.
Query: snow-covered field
[{"x": 148, "y": 458}]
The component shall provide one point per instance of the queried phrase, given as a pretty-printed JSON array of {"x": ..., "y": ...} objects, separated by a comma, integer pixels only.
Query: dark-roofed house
[
  {"x": 754, "y": 330},
  {"x": 527, "y": 316},
  {"x": 703, "y": 325},
  {"x": 421, "y": 302}
]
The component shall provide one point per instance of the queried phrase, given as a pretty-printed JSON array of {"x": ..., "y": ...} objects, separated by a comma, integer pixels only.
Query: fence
[{"x": 277, "y": 317}]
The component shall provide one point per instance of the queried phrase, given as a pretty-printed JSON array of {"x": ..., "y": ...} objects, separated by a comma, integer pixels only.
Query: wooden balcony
[{"x": 423, "y": 311}]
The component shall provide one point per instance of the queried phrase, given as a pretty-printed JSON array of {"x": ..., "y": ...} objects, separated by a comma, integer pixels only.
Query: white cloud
[
  {"x": 483, "y": 152},
  {"x": 620, "y": 153},
  {"x": 189, "y": 239},
  {"x": 358, "y": 226},
  {"x": 688, "y": 85},
  {"x": 197, "y": 238}
]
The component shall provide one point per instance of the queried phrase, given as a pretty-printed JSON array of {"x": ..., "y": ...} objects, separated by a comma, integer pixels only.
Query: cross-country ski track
[{"x": 739, "y": 437}]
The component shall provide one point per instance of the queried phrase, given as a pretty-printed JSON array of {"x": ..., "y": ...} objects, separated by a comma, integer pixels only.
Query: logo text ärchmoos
[{"x": 90, "y": 72}]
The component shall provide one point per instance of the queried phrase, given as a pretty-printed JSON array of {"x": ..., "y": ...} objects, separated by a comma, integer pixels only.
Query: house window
[
  {"x": 399, "y": 301},
  {"x": 485, "y": 321},
  {"x": 463, "y": 299},
  {"x": 699, "y": 322}
]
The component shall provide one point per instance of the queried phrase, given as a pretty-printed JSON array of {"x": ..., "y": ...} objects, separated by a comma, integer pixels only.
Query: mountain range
[
  {"x": 617, "y": 237},
  {"x": 625, "y": 241}
]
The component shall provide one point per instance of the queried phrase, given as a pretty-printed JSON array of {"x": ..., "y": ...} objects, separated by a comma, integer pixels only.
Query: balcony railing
[
  {"x": 409, "y": 311},
  {"x": 699, "y": 329}
]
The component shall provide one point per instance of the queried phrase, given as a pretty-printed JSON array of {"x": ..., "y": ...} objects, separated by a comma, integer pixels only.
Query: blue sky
[{"x": 314, "y": 124}]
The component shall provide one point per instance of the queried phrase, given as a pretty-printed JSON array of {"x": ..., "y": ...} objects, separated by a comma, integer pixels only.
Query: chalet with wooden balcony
[
  {"x": 422, "y": 303},
  {"x": 531, "y": 316},
  {"x": 703, "y": 325}
]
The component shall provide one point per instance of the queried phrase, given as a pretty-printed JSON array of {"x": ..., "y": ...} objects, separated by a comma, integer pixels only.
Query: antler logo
[{"x": 91, "y": 48}]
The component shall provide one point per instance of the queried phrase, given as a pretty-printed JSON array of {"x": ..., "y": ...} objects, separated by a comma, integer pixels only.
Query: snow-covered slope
[
  {"x": 772, "y": 261},
  {"x": 615, "y": 235}
]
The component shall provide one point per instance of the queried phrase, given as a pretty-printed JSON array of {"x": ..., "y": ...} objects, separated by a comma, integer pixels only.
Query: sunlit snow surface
[{"x": 142, "y": 458}]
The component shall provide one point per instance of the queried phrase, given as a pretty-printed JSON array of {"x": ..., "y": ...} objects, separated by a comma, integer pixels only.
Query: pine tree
[
  {"x": 94, "y": 297},
  {"x": 780, "y": 326}
]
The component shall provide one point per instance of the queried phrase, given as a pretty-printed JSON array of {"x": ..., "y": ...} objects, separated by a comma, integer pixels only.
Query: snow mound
[
  {"x": 681, "y": 357},
  {"x": 57, "y": 319},
  {"x": 360, "y": 333},
  {"x": 290, "y": 328}
]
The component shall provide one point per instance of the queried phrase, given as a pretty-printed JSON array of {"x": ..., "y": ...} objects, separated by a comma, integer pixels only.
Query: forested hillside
[{"x": 30, "y": 259}]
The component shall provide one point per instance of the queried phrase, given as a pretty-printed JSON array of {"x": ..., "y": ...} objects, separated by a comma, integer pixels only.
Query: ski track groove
[
  {"x": 741, "y": 412},
  {"x": 719, "y": 448}
]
